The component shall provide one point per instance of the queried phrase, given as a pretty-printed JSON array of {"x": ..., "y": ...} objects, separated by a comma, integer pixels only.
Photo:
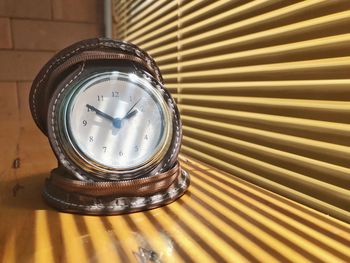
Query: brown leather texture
[
  {"x": 73, "y": 188},
  {"x": 114, "y": 203},
  {"x": 75, "y": 69},
  {"x": 142, "y": 186},
  {"x": 41, "y": 92}
]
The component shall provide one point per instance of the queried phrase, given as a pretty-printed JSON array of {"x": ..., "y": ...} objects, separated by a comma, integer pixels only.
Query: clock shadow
[
  {"x": 26, "y": 218},
  {"x": 25, "y": 193}
]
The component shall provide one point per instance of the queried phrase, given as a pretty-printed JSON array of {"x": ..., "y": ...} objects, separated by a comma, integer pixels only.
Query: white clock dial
[{"x": 117, "y": 120}]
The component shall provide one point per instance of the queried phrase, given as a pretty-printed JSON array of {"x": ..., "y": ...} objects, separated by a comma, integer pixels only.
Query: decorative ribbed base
[{"x": 112, "y": 205}]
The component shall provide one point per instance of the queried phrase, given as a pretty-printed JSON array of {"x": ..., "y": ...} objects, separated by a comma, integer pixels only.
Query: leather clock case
[{"x": 66, "y": 67}]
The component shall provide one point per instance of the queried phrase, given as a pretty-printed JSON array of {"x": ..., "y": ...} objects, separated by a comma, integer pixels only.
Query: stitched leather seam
[
  {"x": 106, "y": 44},
  {"x": 61, "y": 155},
  {"x": 47, "y": 71},
  {"x": 176, "y": 190},
  {"x": 170, "y": 101},
  {"x": 67, "y": 162}
]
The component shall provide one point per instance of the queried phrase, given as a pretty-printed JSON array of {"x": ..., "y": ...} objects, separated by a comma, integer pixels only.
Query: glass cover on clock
[{"x": 117, "y": 120}]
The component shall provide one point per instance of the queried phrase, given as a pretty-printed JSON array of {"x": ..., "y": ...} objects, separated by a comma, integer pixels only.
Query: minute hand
[{"x": 98, "y": 112}]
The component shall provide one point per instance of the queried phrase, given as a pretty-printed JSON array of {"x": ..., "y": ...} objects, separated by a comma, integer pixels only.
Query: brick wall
[{"x": 31, "y": 31}]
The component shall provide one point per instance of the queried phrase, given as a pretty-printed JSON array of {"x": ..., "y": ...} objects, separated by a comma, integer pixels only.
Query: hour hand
[
  {"x": 100, "y": 113},
  {"x": 131, "y": 114},
  {"x": 129, "y": 111}
]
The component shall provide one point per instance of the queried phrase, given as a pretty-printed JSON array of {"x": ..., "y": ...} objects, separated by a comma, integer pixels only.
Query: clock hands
[
  {"x": 98, "y": 112},
  {"x": 117, "y": 122},
  {"x": 130, "y": 112}
]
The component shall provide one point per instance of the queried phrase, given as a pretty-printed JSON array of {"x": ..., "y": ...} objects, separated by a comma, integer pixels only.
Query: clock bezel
[
  {"x": 88, "y": 169},
  {"x": 89, "y": 163}
]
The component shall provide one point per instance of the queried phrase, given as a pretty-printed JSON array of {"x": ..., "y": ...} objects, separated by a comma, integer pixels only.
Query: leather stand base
[{"x": 74, "y": 202}]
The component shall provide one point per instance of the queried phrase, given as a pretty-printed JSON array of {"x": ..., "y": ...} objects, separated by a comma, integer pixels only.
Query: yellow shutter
[{"x": 263, "y": 88}]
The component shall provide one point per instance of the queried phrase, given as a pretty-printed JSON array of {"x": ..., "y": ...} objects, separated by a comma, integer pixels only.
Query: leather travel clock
[{"x": 113, "y": 126}]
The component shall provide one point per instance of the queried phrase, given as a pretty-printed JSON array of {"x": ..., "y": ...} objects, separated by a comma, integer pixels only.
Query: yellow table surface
[{"x": 221, "y": 218}]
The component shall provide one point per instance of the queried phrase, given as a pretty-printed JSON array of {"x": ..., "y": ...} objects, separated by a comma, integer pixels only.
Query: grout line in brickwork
[
  {"x": 55, "y": 20},
  {"x": 30, "y": 50},
  {"x": 11, "y": 35},
  {"x": 51, "y": 10}
]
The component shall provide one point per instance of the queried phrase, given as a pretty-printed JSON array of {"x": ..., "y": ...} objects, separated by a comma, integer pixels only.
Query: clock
[{"x": 113, "y": 126}]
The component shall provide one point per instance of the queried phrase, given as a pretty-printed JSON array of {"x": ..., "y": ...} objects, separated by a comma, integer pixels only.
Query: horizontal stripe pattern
[
  {"x": 221, "y": 218},
  {"x": 263, "y": 88}
]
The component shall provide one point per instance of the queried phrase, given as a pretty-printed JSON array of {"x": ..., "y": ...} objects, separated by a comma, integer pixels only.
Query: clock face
[{"x": 117, "y": 121}]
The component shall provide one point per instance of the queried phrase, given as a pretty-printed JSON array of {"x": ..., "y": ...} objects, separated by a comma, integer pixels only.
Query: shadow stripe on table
[
  {"x": 292, "y": 228},
  {"x": 232, "y": 181},
  {"x": 83, "y": 231},
  {"x": 230, "y": 240},
  {"x": 282, "y": 240},
  {"x": 182, "y": 253},
  {"x": 273, "y": 219},
  {"x": 55, "y": 224},
  {"x": 234, "y": 224},
  {"x": 115, "y": 240},
  {"x": 196, "y": 236}
]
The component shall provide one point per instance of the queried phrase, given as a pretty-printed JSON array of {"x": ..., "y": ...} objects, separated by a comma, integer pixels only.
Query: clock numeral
[
  {"x": 91, "y": 138},
  {"x": 100, "y": 98},
  {"x": 130, "y": 98},
  {"x": 136, "y": 148},
  {"x": 121, "y": 153},
  {"x": 84, "y": 122},
  {"x": 104, "y": 148},
  {"x": 142, "y": 109},
  {"x": 146, "y": 137},
  {"x": 115, "y": 94},
  {"x": 148, "y": 122}
]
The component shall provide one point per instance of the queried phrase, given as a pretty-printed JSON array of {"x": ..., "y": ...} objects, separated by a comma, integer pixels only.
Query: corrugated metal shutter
[{"x": 263, "y": 88}]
